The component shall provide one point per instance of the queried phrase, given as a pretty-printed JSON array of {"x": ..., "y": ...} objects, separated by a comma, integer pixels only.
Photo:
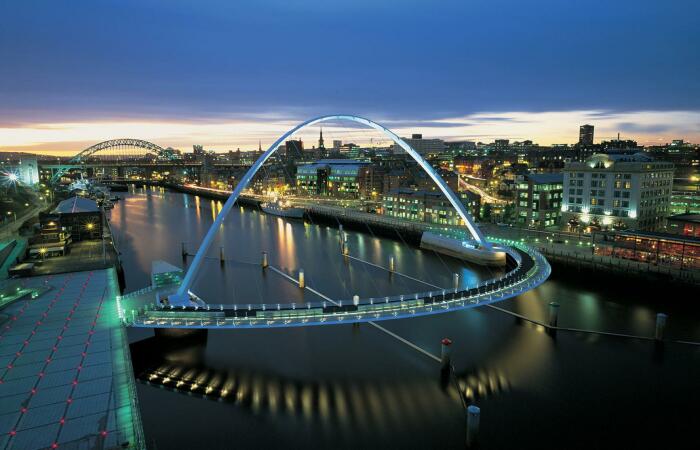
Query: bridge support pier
[
  {"x": 660, "y": 326},
  {"x": 264, "y": 260},
  {"x": 392, "y": 265},
  {"x": 455, "y": 279},
  {"x": 473, "y": 422},
  {"x": 183, "y": 250},
  {"x": 221, "y": 256},
  {"x": 445, "y": 353},
  {"x": 302, "y": 283},
  {"x": 553, "y": 314}
]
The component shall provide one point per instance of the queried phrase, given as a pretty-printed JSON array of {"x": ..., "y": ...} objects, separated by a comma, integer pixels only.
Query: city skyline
[{"x": 646, "y": 127}]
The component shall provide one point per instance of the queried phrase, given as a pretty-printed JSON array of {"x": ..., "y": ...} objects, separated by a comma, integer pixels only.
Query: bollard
[
  {"x": 264, "y": 260},
  {"x": 355, "y": 300},
  {"x": 553, "y": 314},
  {"x": 221, "y": 255},
  {"x": 302, "y": 285},
  {"x": 473, "y": 419},
  {"x": 392, "y": 266},
  {"x": 445, "y": 352},
  {"x": 455, "y": 278},
  {"x": 660, "y": 326}
]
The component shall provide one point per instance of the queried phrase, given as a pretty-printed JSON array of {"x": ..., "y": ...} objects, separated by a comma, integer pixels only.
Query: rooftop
[
  {"x": 546, "y": 178},
  {"x": 76, "y": 205}
]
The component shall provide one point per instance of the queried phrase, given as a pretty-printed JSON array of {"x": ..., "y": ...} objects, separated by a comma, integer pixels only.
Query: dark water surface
[{"x": 357, "y": 387}]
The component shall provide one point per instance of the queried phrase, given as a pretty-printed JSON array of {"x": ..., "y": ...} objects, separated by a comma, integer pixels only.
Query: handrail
[{"x": 516, "y": 281}]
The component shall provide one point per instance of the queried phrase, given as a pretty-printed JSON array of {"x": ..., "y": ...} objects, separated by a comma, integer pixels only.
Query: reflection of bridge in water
[{"x": 526, "y": 269}]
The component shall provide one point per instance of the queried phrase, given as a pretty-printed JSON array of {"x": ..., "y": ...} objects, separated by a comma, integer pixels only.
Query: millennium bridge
[{"x": 172, "y": 304}]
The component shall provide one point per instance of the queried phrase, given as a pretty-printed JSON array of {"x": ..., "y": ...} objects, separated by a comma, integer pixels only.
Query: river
[{"x": 358, "y": 387}]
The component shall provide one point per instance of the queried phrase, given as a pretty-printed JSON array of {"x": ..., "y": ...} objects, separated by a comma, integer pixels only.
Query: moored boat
[{"x": 282, "y": 209}]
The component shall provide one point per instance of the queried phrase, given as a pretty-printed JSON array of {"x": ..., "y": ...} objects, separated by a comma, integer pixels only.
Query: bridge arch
[
  {"x": 209, "y": 237},
  {"x": 75, "y": 161},
  {"x": 150, "y": 147}
]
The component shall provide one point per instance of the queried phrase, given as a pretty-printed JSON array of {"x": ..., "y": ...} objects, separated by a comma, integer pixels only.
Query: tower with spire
[{"x": 320, "y": 140}]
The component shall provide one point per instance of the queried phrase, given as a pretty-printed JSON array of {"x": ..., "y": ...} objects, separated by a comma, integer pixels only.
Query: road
[{"x": 485, "y": 197}]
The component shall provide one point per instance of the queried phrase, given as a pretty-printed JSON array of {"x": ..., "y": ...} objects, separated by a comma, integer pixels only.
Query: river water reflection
[{"x": 357, "y": 387}]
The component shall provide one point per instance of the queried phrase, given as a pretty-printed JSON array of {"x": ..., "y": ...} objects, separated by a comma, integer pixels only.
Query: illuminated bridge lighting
[{"x": 528, "y": 270}]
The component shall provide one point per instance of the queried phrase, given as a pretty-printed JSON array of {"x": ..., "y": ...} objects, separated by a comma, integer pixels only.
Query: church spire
[{"x": 320, "y": 139}]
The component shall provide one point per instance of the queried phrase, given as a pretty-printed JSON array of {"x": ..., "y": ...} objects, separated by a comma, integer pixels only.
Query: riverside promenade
[{"x": 66, "y": 379}]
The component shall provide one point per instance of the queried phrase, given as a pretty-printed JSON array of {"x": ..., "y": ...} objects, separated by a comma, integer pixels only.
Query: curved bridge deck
[{"x": 528, "y": 267}]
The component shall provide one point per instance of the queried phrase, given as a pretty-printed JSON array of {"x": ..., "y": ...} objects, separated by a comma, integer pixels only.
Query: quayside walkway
[{"x": 65, "y": 372}]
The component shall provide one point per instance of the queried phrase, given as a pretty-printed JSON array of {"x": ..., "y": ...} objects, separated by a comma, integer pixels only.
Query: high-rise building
[
  {"x": 617, "y": 191},
  {"x": 538, "y": 199},
  {"x": 337, "y": 144},
  {"x": 421, "y": 145},
  {"x": 585, "y": 135}
]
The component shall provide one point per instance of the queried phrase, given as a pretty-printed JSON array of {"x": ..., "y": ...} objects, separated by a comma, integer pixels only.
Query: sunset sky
[{"x": 227, "y": 74}]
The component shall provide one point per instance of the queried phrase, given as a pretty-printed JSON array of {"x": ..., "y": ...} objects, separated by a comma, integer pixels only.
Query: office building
[
  {"x": 420, "y": 206},
  {"x": 585, "y": 135},
  {"x": 333, "y": 177},
  {"x": 617, "y": 191},
  {"x": 422, "y": 146},
  {"x": 539, "y": 199}
]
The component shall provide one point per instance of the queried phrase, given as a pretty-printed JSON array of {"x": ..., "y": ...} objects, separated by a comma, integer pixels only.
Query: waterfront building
[
  {"x": 424, "y": 206},
  {"x": 371, "y": 181},
  {"x": 684, "y": 224},
  {"x": 585, "y": 135},
  {"x": 73, "y": 220},
  {"x": 332, "y": 177},
  {"x": 650, "y": 247},
  {"x": 538, "y": 199},
  {"x": 617, "y": 191}
]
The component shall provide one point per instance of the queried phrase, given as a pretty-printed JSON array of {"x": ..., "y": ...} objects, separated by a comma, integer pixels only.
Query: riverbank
[{"x": 563, "y": 257}]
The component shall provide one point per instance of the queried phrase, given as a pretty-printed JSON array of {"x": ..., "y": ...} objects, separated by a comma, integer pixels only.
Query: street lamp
[{"x": 13, "y": 213}]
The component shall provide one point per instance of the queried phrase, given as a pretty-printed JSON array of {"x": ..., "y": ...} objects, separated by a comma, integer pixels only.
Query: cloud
[
  {"x": 244, "y": 131},
  {"x": 630, "y": 127}
]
